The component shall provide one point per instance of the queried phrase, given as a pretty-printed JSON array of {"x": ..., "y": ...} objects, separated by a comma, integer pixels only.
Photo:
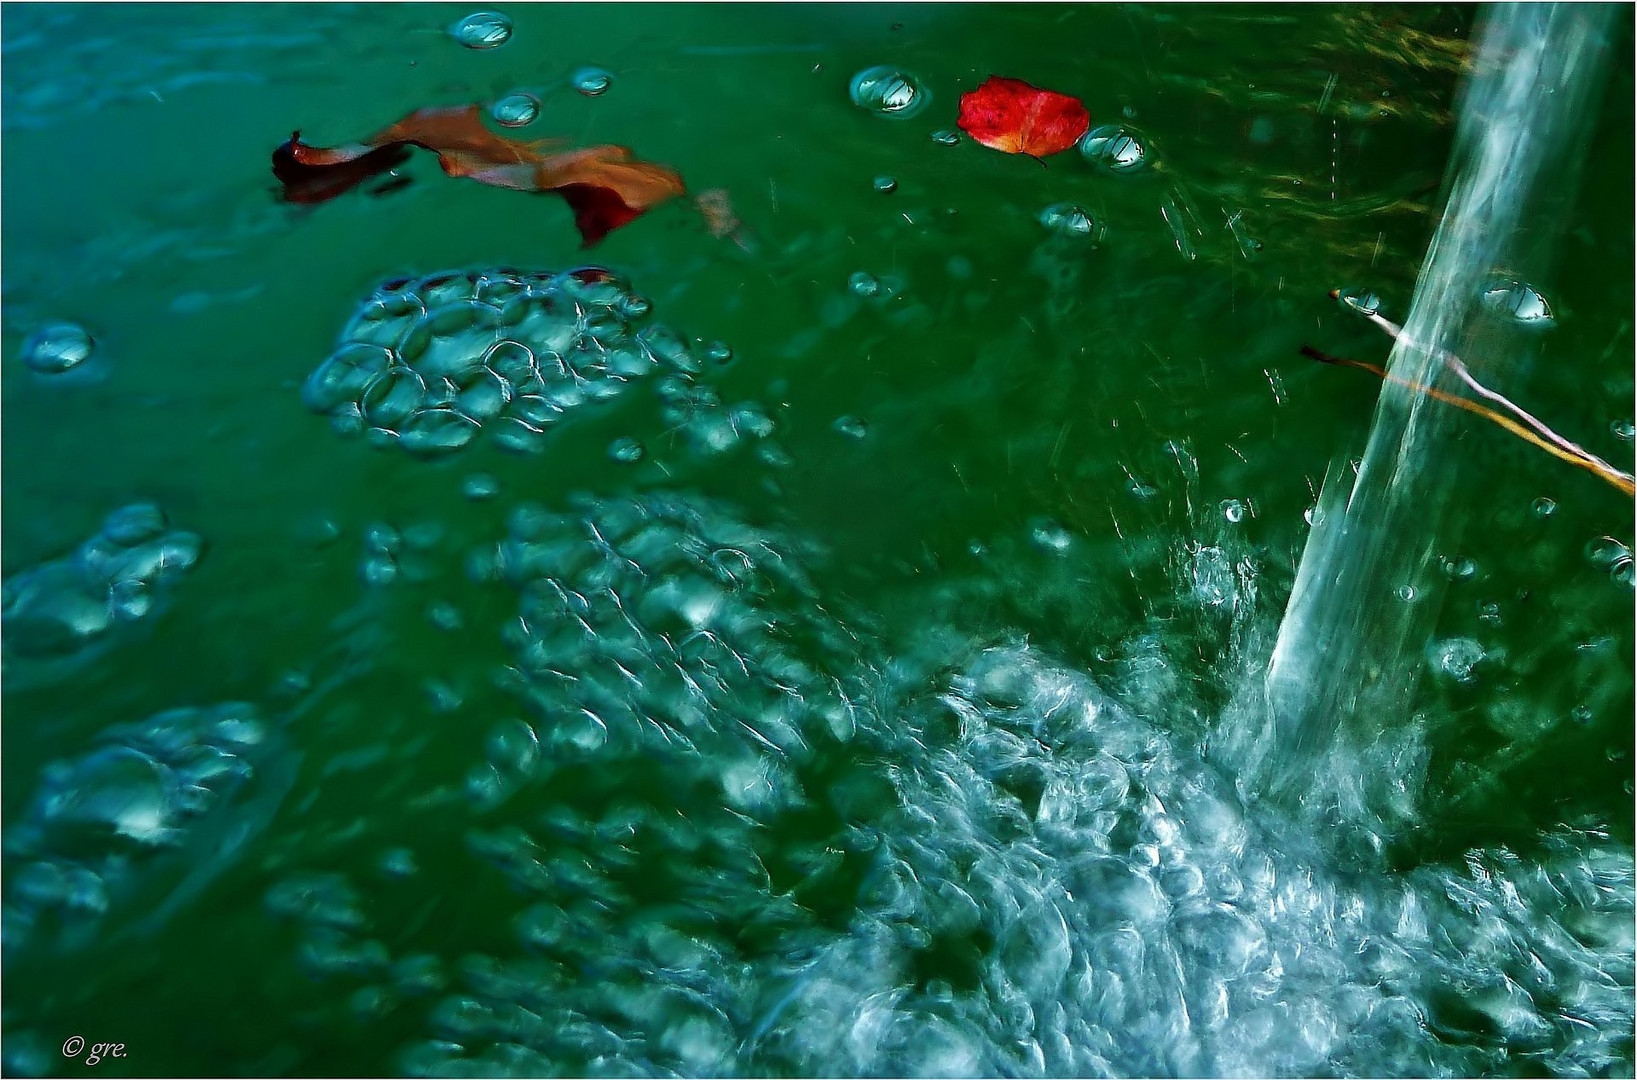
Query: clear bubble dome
[
  {"x": 592, "y": 81},
  {"x": 1115, "y": 148},
  {"x": 57, "y": 348},
  {"x": 887, "y": 91},
  {"x": 482, "y": 30},
  {"x": 515, "y": 109}
]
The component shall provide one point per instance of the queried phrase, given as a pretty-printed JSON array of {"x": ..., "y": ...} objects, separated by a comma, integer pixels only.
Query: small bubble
[
  {"x": 1406, "y": 593},
  {"x": 1457, "y": 657},
  {"x": 1517, "y": 299},
  {"x": 1360, "y": 300},
  {"x": 852, "y": 426},
  {"x": 633, "y": 306},
  {"x": 886, "y": 185},
  {"x": 480, "y": 486},
  {"x": 1050, "y": 536},
  {"x": 1611, "y": 556},
  {"x": 946, "y": 137},
  {"x": 592, "y": 81},
  {"x": 482, "y": 30},
  {"x": 516, "y": 109},
  {"x": 886, "y": 91},
  {"x": 719, "y": 353},
  {"x": 1313, "y": 515},
  {"x": 1233, "y": 510},
  {"x": 863, "y": 284},
  {"x": 379, "y": 569},
  {"x": 1115, "y": 148},
  {"x": 1457, "y": 569},
  {"x": 1544, "y": 507},
  {"x": 129, "y": 600},
  {"x": 1071, "y": 219},
  {"x": 1489, "y": 613},
  {"x": 626, "y": 450},
  {"x": 1137, "y": 489},
  {"x": 1582, "y": 714},
  {"x": 1624, "y": 430},
  {"x": 444, "y": 615},
  {"x": 56, "y": 348}
]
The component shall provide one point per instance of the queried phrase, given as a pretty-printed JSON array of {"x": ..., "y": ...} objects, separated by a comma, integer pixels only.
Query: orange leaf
[
  {"x": 1014, "y": 117},
  {"x": 604, "y": 185}
]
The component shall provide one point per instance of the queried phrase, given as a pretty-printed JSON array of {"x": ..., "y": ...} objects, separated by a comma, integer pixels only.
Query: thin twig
[{"x": 1586, "y": 461}]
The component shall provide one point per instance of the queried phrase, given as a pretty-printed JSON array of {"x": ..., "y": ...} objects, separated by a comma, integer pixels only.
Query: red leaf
[
  {"x": 1012, "y": 116},
  {"x": 603, "y": 185}
]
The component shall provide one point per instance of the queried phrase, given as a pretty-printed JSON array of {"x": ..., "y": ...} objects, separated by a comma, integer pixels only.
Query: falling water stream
[{"x": 1368, "y": 589}]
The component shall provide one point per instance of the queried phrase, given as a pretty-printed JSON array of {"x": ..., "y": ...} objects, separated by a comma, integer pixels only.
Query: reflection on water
[{"x": 831, "y": 654}]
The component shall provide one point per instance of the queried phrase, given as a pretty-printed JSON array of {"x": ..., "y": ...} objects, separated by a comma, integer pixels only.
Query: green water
[{"x": 1100, "y": 449}]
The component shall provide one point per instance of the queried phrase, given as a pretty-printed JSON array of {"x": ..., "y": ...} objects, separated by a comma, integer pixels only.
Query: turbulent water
[{"x": 433, "y": 649}]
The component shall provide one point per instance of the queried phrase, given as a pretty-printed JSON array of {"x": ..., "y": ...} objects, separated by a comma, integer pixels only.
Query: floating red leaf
[
  {"x": 1014, "y": 117},
  {"x": 603, "y": 185}
]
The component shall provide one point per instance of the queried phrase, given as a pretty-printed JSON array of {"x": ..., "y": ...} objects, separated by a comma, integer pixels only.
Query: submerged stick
[{"x": 1586, "y": 461}]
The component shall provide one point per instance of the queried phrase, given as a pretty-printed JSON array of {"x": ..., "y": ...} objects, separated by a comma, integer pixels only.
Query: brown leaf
[{"x": 604, "y": 185}]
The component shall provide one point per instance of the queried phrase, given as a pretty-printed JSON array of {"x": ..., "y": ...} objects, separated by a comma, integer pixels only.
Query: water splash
[{"x": 1349, "y": 651}]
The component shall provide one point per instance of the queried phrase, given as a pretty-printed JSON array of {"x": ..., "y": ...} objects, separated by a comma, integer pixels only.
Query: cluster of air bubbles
[
  {"x": 946, "y": 136},
  {"x": 427, "y": 364},
  {"x": 886, "y": 185},
  {"x": 887, "y": 91},
  {"x": 56, "y": 348},
  {"x": 1613, "y": 558},
  {"x": 1115, "y": 148},
  {"x": 591, "y": 81},
  {"x": 104, "y": 823},
  {"x": 641, "y": 630},
  {"x": 1072, "y": 220},
  {"x": 482, "y": 30},
  {"x": 1360, "y": 300},
  {"x": 1456, "y": 657},
  {"x": 1517, "y": 300},
  {"x": 330, "y": 913},
  {"x": 516, "y": 109},
  {"x": 57, "y": 608}
]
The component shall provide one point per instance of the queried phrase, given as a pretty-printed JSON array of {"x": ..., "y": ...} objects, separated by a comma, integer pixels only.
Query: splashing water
[{"x": 1350, "y": 646}]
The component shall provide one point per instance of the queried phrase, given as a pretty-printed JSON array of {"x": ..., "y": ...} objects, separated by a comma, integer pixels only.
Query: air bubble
[
  {"x": 1544, "y": 507},
  {"x": 1457, "y": 569},
  {"x": 1233, "y": 510},
  {"x": 1624, "y": 430},
  {"x": 1071, "y": 219},
  {"x": 719, "y": 353},
  {"x": 1313, "y": 516},
  {"x": 1050, "y": 536},
  {"x": 430, "y": 432},
  {"x": 1115, "y": 148},
  {"x": 626, "y": 450},
  {"x": 946, "y": 137},
  {"x": 886, "y": 185},
  {"x": 863, "y": 284},
  {"x": 482, "y": 30},
  {"x": 886, "y": 91},
  {"x": 1360, "y": 300},
  {"x": 57, "y": 348},
  {"x": 592, "y": 81},
  {"x": 1612, "y": 557},
  {"x": 1405, "y": 593},
  {"x": 1456, "y": 657},
  {"x": 480, "y": 486},
  {"x": 1518, "y": 300},
  {"x": 515, "y": 109},
  {"x": 854, "y": 427}
]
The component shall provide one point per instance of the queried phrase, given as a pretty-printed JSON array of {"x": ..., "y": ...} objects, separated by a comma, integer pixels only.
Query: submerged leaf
[
  {"x": 604, "y": 185},
  {"x": 1014, "y": 117}
]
